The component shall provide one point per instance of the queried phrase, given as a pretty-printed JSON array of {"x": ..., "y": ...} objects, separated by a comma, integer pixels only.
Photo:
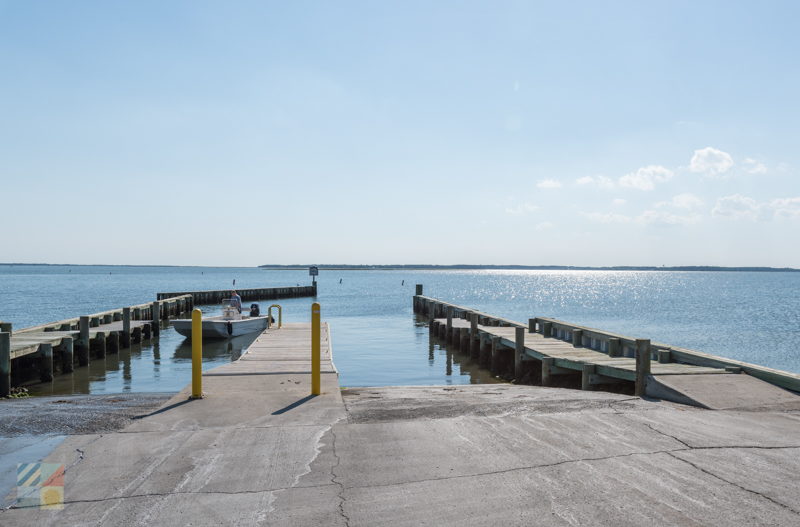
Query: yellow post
[
  {"x": 197, "y": 354},
  {"x": 315, "y": 349}
]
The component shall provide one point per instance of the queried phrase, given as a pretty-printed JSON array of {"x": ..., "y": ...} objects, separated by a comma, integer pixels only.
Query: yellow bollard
[
  {"x": 315, "y": 349},
  {"x": 197, "y": 354}
]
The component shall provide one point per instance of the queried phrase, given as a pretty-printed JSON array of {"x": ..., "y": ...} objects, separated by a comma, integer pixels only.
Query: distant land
[
  {"x": 427, "y": 267},
  {"x": 430, "y": 267}
]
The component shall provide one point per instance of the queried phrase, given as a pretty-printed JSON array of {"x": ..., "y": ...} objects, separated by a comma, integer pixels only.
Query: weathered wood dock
[
  {"x": 545, "y": 348},
  {"x": 262, "y": 293},
  {"x": 60, "y": 345}
]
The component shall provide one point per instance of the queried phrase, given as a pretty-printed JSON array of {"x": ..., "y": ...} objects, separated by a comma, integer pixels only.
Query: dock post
[
  {"x": 531, "y": 325},
  {"x": 474, "y": 342},
  {"x": 315, "y": 349},
  {"x": 577, "y": 338},
  {"x": 664, "y": 356},
  {"x": 197, "y": 354},
  {"x": 494, "y": 359},
  {"x": 112, "y": 342},
  {"x": 586, "y": 377},
  {"x": 419, "y": 290},
  {"x": 547, "y": 365},
  {"x": 6, "y": 327},
  {"x": 642, "y": 366},
  {"x": 5, "y": 364},
  {"x": 449, "y": 331},
  {"x": 83, "y": 353},
  {"x": 547, "y": 329},
  {"x": 100, "y": 345},
  {"x": 46, "y": 362},
  {"x": 155, "y": 316},
  {"x": 126, "y": 327},
  {"x": 67, "y": 351},
  {"x": 519, "y": 351},
  {"x": 613, "y": 347}
]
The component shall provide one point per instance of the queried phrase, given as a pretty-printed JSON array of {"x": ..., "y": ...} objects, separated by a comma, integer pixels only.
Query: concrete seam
[
  {"x": 776, "y": 502},
  {"x": 340, "y": 495}
]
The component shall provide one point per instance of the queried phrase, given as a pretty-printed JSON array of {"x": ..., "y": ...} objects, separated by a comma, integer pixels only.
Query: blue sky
[{"x": 241, "y": 133}]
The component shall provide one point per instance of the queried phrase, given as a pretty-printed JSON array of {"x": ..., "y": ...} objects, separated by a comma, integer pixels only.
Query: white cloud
[
  {"x": 522, "y": 209},
  {"x": 711, "y": 162},
  {"x": 737, "y": 207},
  {"x": 545, "y": 225},
  {"x": 786, "y": 208},
  {"x": 606, "y": 217},
  {"x": 751, "y": 166},
  {"x": 549, "y": 183},
  {"x": 682, "y": 201},
  {"x": 743, "y": 207},
  {"x": 667, "y": 218},
  {"x": 596, "y": 181},
  {"x": 619, "y": 201},
  {"x": 646, "y": 177}
]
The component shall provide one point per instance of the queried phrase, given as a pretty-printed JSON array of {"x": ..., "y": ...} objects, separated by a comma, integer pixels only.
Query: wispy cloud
[
  {"x": 521, "y": 209},
  {"x": 549, "y": 183},
  {"x": 646, "y": 178},
  {"x": 752, "y": 166},
  {"x": 667, "y": 218},
  {"x": 596, "y": 181},
  {"x": 606, "y": 217},
  {"x": 740, "y": 207},
  {"x": 711, "y": 162},
  {"x": 545, "y": 225},
  {"x": 682, "y": 201},
  {"x": 619, "y": 201}
]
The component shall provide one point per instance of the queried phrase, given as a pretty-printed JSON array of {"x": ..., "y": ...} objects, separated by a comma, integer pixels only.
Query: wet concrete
[{"x": 74, "y": 414}]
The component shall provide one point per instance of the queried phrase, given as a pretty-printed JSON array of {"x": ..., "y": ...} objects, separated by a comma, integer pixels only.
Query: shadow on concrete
[
  {"x": 293, "y": 405},
  {"x": 162, "y": 410}
]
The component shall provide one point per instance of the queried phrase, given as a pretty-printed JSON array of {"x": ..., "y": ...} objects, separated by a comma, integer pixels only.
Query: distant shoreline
[
  {"x": 427, "y": 267},
  {"x": 424, "y": 267}
]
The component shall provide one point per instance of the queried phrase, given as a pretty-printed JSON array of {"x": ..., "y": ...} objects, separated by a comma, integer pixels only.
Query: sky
[{"x": 499, "y": 132}]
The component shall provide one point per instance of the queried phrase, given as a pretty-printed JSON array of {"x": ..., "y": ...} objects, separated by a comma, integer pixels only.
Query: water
[{"x": 753, "y": 317}]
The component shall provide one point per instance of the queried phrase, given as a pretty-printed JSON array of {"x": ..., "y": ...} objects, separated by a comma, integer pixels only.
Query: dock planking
[{"x": 546, "y": 348}]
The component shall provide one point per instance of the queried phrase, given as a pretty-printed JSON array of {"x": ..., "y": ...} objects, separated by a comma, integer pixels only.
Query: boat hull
[{"x": 216, "y": 328}]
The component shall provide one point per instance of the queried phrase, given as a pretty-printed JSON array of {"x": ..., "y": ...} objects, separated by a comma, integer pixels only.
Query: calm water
[{"x": 749, "y": 316}]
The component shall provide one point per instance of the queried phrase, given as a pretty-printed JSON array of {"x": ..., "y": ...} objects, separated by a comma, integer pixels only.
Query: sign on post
[{"x": 313, "y": 271}]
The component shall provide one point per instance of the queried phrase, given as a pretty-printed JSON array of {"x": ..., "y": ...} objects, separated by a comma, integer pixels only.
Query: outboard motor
[{"x": 254, "y": 310}]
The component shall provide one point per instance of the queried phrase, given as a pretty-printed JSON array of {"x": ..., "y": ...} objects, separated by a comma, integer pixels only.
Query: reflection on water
[{"x": 162, "y": 364}]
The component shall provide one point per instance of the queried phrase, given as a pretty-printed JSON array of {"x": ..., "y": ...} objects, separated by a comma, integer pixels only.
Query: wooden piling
[
  {"x": 547, "y": 329},
  {"x": 126, "y": 327},
  {"x": 494, "y": 360},
  {"x": 155, "y": 311},
  {"x": 5, "y": 364},
  {"x": 547, "y": 366},
  {"x": 83, "y": 347},
  {"x": 664, "y": 356},
  {"x": 67, "y": 352},
  {"x": 449, "y": 330},
  {"x": 587, "y": 372},
  {"x": 519, "y": 351},
  {"x": 613, "y": 347},
  {"x": 642, "y": 366},
  {"x": 419, "y": 290},
  {"x": 112, "y": 342},
  {"x": 46, "y": 362},
  {"x": 577, "y": 338},
  {"x": 531, "y": 325},
  {"x": 99, "y": 345}
]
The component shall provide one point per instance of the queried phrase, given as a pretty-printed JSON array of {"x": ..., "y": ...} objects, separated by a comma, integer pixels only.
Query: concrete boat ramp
[{"x": 258, "y": 450}]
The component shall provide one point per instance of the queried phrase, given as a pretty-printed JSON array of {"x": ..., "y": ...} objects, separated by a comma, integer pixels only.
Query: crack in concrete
[
  {"x": 656, "y": 430},
  {"x": 340, "y": 494},
  {"x": 701, "y": 469}
]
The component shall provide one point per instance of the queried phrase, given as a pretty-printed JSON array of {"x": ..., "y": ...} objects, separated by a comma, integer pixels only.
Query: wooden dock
[
  {"x": 263, "y": 293},
  {"x": 59, "y": 345},
  {"x": 546, "y": 348}
]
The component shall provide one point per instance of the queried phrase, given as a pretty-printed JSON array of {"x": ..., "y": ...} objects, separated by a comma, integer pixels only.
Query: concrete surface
[
  {"x": 723, "y": 392},
  {"x": 258, "y": 451}
]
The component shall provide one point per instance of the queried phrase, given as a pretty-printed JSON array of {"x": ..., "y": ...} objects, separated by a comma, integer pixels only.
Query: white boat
[{"x": 230, "y": 324}]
